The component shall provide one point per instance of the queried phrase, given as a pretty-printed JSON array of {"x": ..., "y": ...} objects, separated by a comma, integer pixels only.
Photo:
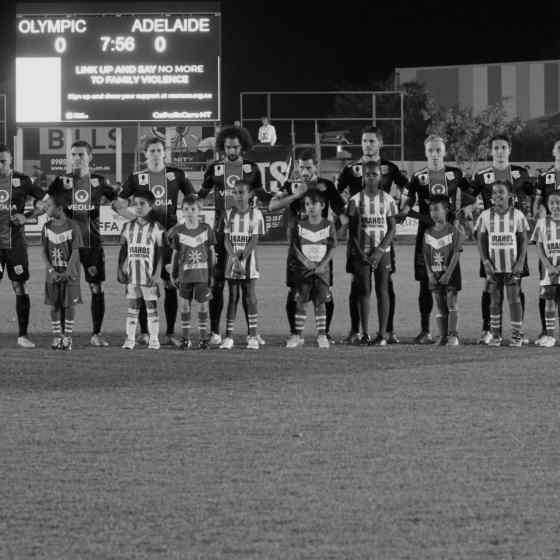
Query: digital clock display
[{"x": 118, "y": 68}]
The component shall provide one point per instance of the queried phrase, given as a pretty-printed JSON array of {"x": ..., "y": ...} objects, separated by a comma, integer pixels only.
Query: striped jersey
[
  {"x": 193, "y": 247},
  {"x": 502, "y": 230},
  {"x": 141, "y": 241},
  {"x": 241, "y": 227},
  {"x": 547, "y": 232},
  {"x": 370, "y": 218},
  {"x": 59, "y": 242},
  {"x": 441, "y": 246}
]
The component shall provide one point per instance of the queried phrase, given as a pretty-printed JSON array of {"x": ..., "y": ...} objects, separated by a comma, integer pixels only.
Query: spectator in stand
[{"x": 267, "y": 133}]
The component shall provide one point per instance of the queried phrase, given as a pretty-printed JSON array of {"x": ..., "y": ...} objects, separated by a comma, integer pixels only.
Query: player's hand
[
  {"x": 432, "y": 282},
  {"x": 443, "y": 280},
  {"x": 517, "y": 269},
  {"x": 18, "y": 219},
  {"x": 168, "y": 268},
  {"x": 345, "y": 194},
  {"x": 92, "y": 270},
  {"x": 375, "y": 258},
  {"x": 488, "y": 268},
  {"x": 343, "y": 218},
  {"x": 400, "y": 218}
]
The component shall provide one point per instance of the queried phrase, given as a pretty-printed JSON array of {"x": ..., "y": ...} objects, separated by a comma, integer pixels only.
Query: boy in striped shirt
[
  {"x": 547, "y": 237},
  {"x": 141, "y": 250},
  {"x": 313, "y": 243},
  {"x": 61, "y": 240},
  {"x": 371, "y": 214},
  {"x": 502, "y": 242},
  {"x": 442, "y": 246},
  {"x": 243, "y": 225},
  {"x": 192, "y": 263}
]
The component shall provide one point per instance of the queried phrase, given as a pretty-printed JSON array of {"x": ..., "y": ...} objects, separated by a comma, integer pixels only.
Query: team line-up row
[{"x": 196, "y": 261}]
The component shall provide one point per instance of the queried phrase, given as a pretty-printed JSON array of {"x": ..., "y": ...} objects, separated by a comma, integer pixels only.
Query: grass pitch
[{"x": 402, "y": 452}]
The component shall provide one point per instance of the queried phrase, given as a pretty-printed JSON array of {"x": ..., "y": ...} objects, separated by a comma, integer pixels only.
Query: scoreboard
[{"x": 123, "y": 67}]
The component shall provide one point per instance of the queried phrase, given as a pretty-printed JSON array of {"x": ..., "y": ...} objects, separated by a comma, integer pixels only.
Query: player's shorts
[
  {"x": 550, "y": 292},
  {"x": 93, "y": 256},
  {"x": 147, "y": 293},
  {"x": 15, "y": 261},
  {"x": 454, "y": 283},
  {"x": 523, "y": 274},
  {"x": 62, "y": 294},
  {"x": 200, "y": 291},
  {"x": 501, "y": 280},
  {"x": 420, "y": 274},
  {"x": 313, "y": 289}
]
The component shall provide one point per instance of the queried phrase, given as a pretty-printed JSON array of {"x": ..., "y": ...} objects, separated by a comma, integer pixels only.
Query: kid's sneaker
[
  {"x": 453, "y": 340},
  {"x": 154, "y": 344},
  {"x": 495, "y": 341},
  {"x": 485, "y": 337},
  {"x": 227, "y": 343},
  {"x": 547, "y": 342},
  {"x": 67, "y": 343},
  {"x": 128, "y": 344},
  {"x": 252, "y": 343},
  {"x": 323, "y": 341},
  {"x": 295, "y": 341},
  {"x": 56, "y": 343},
  {"x": 215, "y": 339}
]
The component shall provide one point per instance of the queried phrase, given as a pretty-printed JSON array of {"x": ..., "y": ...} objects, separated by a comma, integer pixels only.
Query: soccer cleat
[
  {"x": 540, "y": 339},
  {"x": 252, "y": 343},
  {"x": 495, "y": 341},
  {"x": 186, "y": 344},
  {"x": 353, "y": 339},
  {"x": 380, "y": 341},
  {"x": 154, "y": 344},
  {"x": 547, "y": 342},
  {"x": 227, "y": 343},
  {"x": 56, "y": 343},
  {"x": 67, "y": 343},
  {"x": 172, "y": 340},
  {"x": 24, "y": 342},
  {"x": 295, "y": 341},
  {"x": 524, "y": 339},
  {"x": 516, "y": 340},
  {"x": 143, "y": 338},
  {"x": 330, "y": 339},
  {"x": 98, "y": 340},
  {"x": 261, "y": 340},
  {"x": 453, "y": 340},
  {"x": 393, "y": 339},
  {"x": 128, "y": 344},
  {"x": 323, "y": 341},
  {"x": 203, "y": 345},
  {"x": 215, "y": 339},
  {"x": 424, "y": 338},
  {"x": 365, "y": 340},
  {"x": 485, "y": 337}
]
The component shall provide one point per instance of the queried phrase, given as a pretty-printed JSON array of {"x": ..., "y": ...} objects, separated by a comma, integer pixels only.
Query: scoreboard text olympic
[{"x": 117, "y": 68}]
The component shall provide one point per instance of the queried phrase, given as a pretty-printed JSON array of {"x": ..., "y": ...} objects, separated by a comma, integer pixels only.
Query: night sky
[{"x": 283, "y": 45}]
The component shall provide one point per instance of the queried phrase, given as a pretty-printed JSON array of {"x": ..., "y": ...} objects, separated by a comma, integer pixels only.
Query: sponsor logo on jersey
[
  {"x": 158, "y": 191},
  {"x": 18, "y": 269},
  {"x": 489, "y": 178},
  {"x": 423, "y": 179},
  {"x": 438, "y": 189},
  {"x": 247, "y": 168},
  {"x": 357, "y": 170},
  {"x": 551, "y": 179},
  {"x": 373, "y": 221},
  {"x": 515, "y": 174},
  {"x": 94, "y": 182},
  {"x": 501, "y": 240},
  {"x": 553, "y": 246},
  {"x": 81, "y": 196},
  {"x": 170, "y": 176},
  {"x": 67, "y": 182},
  {"x": 16, "y": 182},
  {"x": 219, "y": 170},
  {"x": 4, "y": 197},
  {"x": 144, "y": 179}
]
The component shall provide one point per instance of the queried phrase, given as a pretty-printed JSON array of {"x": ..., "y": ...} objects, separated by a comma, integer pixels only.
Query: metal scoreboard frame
[{"x": 127, "y": 67}]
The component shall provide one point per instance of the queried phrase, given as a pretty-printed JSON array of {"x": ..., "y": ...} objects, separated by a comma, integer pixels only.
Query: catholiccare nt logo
[
  {"x": 231, "y": 180},
  {"x": 81, "y": 196},
  {"x": 438, "y": 189},
  {"x": 4, "y": 199}
]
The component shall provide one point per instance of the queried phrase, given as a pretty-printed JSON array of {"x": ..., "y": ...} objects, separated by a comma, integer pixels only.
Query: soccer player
[
  {"x": 165, "y": 182},
  {"x": 142, "y": 243},
  {"x": 83, "y": 193},
  {"x": 61, "y": 240},
  {"x": 442, "y": 248},
  {"x": 547, "y": 237},
  {"x": 523, "y": 192},
  {"x": 15, "y": 187},
  {"x": 242, "y": 228},
  {"x": 547, "y": 183},
  {"x": 291, "y": 196},
  {"x": 219, "y": 181},
  {"x": 350, "y": 182},
  {"x": 371, "y": 214},
  {"x": 193, "y": 259},
  {"x": 502, "y": 242},
  {"x": 437, "y": 179},
  {"x": 313, "y": 243}
]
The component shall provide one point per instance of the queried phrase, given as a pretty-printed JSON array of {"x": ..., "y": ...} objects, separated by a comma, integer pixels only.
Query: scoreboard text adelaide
[{"x": 118, "y": 68}]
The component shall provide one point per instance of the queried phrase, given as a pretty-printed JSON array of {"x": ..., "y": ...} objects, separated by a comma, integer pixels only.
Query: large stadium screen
[{"x": 117, "y": 67}]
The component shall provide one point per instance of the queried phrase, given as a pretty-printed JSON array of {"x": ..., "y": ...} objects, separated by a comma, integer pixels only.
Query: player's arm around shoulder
[{"x": 120, "y": 202}]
